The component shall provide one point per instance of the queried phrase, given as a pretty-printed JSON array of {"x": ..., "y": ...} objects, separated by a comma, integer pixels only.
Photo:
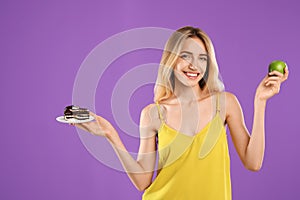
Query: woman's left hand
[{"x": 270, "y": 85}]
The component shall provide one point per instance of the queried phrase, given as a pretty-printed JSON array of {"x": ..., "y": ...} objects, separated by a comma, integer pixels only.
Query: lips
[{"x": 191, "y": 75}]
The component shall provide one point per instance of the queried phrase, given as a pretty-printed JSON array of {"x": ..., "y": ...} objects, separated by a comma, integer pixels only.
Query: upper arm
[
  {"x": 236, "y": 124},
  {"x": 149, "y": 122}
]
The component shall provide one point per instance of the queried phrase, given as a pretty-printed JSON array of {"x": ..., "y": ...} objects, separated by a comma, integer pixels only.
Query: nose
[{"x": 192, "y": 66}]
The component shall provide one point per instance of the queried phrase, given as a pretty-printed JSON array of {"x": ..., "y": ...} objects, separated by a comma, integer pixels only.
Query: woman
[{"x": 186, "y": 125}]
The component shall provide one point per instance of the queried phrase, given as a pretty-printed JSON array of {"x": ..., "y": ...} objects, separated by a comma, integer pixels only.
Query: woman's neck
[{"x": 189, "y": 94}]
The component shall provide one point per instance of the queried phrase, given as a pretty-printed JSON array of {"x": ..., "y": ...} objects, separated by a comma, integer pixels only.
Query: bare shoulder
[
  {"x": 150, "y": 111},
  {"x": 150, "y": 117},
  {"x": 230, "y": 98},
  {"x": 232, "y": 105}
]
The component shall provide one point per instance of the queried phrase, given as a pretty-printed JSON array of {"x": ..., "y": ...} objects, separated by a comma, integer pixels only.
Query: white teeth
[{"x": 191, "y": 74}]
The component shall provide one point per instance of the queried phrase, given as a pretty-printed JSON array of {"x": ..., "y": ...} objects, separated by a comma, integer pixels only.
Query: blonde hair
[{"x": 164, "y": 86}]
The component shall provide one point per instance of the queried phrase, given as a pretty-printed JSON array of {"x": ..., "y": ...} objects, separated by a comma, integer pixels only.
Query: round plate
[{"x": 73, "y": 121}]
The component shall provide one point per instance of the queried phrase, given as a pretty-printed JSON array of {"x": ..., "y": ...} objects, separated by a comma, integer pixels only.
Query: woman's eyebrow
[
  {"x": 203, "y": 54},
  {"x": 188, "y": 52}
]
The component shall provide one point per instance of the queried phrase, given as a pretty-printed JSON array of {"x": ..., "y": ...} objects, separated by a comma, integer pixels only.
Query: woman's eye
[
  {"x": 203, "y": 58},
  {"x": 185, "y": 56}
]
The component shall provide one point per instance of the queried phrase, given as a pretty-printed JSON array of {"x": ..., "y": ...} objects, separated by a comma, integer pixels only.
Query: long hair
[{"x": 164, "y": 87}]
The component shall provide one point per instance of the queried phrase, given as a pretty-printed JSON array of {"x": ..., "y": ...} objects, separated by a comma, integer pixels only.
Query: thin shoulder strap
[
  {"x": 159, "y": 112},
  {"x": 218, "y": 109}
]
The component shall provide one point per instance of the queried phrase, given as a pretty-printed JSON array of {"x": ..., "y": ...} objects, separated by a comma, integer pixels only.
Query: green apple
[{"x": 277, "y": 65}]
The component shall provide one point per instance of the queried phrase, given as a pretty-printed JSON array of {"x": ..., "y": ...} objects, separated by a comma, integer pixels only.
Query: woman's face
[{"x": 192, "y": 62}]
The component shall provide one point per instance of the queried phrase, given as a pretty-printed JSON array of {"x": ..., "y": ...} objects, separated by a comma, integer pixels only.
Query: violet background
[{"x": 43, "y": 44}]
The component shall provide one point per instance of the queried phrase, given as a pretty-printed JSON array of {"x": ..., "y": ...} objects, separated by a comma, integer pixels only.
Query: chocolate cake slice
[{"x": 75, "y": 112}]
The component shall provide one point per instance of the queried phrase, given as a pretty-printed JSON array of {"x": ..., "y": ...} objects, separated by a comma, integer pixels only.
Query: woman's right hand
[{"x": 99, "y": 127}]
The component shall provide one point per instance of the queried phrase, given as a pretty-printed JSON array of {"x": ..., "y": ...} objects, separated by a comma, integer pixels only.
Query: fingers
[
  {"x": 96, "y": 117},
  {"x": 91, "y": 127},
  {"x": 80, "y": 125},
  {"x": 97, "y": 127},
  {"x": 85, "y": 127},
  {"x": 275, "y": 86},
  {"x": 93, "y": 114},
  {"x": 286, "y": 74},
  {"x": 275, "y": 73},
  {"x": 100, "y": 120},
  {"x": 282, "y": 77},
  {"x": 272, "y": 79},
  {"x": 273, "y": 82}
]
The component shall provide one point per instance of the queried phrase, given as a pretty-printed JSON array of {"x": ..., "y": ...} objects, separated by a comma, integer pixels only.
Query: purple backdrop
[{"x": 43, "y": 44}]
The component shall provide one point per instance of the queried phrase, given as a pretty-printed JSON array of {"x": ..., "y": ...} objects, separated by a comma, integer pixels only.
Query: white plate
[{"x": 75, "y": 121}]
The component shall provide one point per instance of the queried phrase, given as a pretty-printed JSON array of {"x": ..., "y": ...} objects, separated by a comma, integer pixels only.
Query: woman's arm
[
  {"x": 140, "y": 171},
  {"x": 251, "y": 148}
]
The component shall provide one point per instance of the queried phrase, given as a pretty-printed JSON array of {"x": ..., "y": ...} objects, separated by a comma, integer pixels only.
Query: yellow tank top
[{"x": 192, "y": 167}]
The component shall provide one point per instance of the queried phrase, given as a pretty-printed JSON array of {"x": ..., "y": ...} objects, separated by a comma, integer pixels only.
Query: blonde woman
[{"x": 186, "y": 125}]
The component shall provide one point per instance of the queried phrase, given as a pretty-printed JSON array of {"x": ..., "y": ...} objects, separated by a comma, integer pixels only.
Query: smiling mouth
[{"x": 191, "y": 75}]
